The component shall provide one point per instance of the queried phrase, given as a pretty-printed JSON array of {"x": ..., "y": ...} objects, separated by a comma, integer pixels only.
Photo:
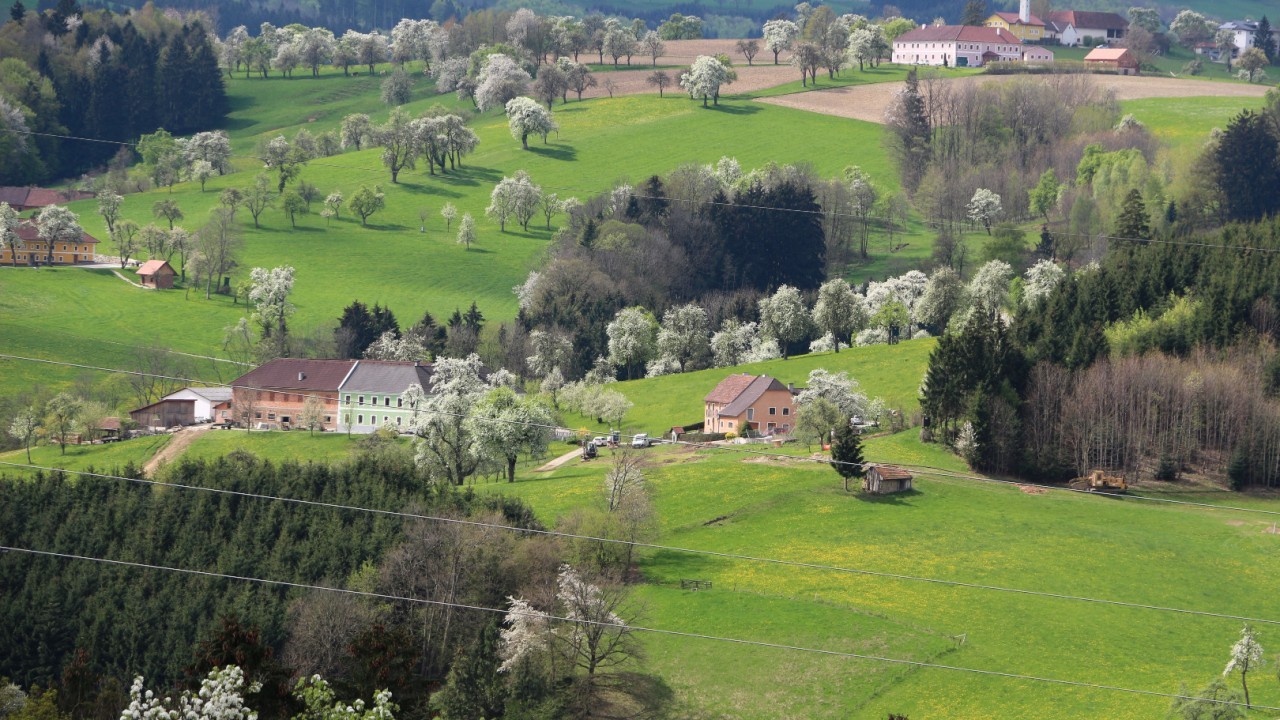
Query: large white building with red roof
[{"x": 964, "y": 46}]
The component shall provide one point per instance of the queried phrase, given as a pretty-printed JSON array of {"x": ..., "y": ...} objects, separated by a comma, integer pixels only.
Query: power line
[
  {"x": 729, "y": 204},
  {"x": 168, "y": 351},
  {"x": 637, "y": 628},
  {"x": 650, "y": 546},
  {"x": 925, "y": 470}
]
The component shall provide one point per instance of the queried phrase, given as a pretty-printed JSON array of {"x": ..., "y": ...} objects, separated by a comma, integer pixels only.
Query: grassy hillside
[
  {"x": 1057, "y": 542},
  {"x": 1187, "y": 122},
  {"x": 390, "y": 261}
]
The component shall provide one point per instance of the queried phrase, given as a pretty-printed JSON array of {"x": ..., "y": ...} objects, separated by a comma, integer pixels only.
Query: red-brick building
[
  {"x": 272, "y": 396},
  {"x": 157, "y": 274}
]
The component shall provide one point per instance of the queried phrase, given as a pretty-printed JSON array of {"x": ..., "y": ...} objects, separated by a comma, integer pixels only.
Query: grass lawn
[
  {"x": 107, "y": 458},
  {"x": 1058, "y": 542},
  {"x": 274, "y": 446},
  {"x": 1187, "y": 122},
  {"x": 892, "y": 372},
  {"x": 1167, "y": 65}
]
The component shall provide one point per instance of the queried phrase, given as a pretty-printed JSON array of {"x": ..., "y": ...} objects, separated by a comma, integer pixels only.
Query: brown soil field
[
  {"x": 763, "y": 74},
  {"x": 869, "y": 102}
]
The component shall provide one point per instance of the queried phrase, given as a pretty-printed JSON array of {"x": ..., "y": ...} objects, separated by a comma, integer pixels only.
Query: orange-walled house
[
  {"x": 747, "y": 402},
  {"x": 33, "y": 250},
  {"x": 272, "y": 396}
]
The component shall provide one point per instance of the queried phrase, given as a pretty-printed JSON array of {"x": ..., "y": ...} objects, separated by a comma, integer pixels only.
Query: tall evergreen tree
[
  {"x": 1247, "y": 168},
  {"x": 975, "y": 12},
  {"x": 1133, "y": 223},
  {"x": 909, "y": 122},
  {"x": 846, "y": 452},
  {"x": 355, "y": 332},
  {"x": 1264, "y": 40},
  {"x": 18, "y": 12}
]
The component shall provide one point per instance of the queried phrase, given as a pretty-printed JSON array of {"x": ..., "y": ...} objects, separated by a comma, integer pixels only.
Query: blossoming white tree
[
  {"x": 704, "y": 78},
  {"x": 733, "y": 342},
  {"x": 58, "y": 224},
  {"x": 1246, "y": 655},
  {"x": 839, "y": 311},
  {"x": 632, "y": 338},
  {"x": 221, "y": 697},
  {"x": 685, "y": 336},
  {"x": 783, "y": 317},
  {"x": 500, "y": 80},
  {"x": 1041, "y": 279},
  {"x": 779, "y": 35},
  {"x": 526, "y": 117},
  {"x": 984, "y": 208}
]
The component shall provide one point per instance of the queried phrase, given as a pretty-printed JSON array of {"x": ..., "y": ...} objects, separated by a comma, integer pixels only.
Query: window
[
  {"x": 786, "y": 411},
  {"x": 751, "y": 413},
  {"x": 348, "y": 400},
  {"x": 359, "y": 419},
  {"x": 398, "y": 421},
  {"x": 271, "y": 416},
  {"x": 399, "y": 402},
  {"x": 361, "y": 399},
  {"x": 327, "y": 418},
  {"x": 386, "y": 401},
  {"x": 773, "y": 411},
  {"x": 257, "y": 416}
]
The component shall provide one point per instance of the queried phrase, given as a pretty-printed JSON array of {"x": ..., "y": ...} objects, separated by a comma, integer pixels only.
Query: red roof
[
  {"x": 1081, "y": 19},
  {"x": 29, "y": 233},
  {"x": 151, "y": 267},
  {"x": 297, "y": 374},
  {"x": 889, "y": 472},
  {"x": 34, "y": 197},
  {"x": 959, "y": 33},
  {"x": 729, "y": 389},
  {"x": 1014, "y": 18},
  {"x": 1109, "y": 55}
]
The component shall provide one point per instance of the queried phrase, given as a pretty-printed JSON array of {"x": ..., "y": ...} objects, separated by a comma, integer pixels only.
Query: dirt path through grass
[
  {"x": 869, "y": 102},
  {"x": 177, "y": 445}
]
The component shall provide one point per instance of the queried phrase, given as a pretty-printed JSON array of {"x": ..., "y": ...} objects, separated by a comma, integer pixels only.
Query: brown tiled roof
[
  {"x": 889, "y": 472},
  {"x": 1082, "y": 19},
  {"x": 959, "y": 33},
  {"x": 110, "y": 423},
  {"x": 750, "y": 395},
  {"x": 1107, "y": 54},
  {"x": 1013, "y": 17},
  {"x": 29, "y": 233},
  {"x": 151, "y": 267},
  {"x": 15, "y": 196},
  {"x": 34, "y": 197},
  {"x": 729, "y": 389},
  {"x": 297, "y": 374}
]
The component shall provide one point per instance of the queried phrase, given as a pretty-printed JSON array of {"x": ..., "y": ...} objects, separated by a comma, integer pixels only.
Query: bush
[
  {"x": 731, "y": 435},
  {"x": 1167, "y": 470},
  {"x": 1238, "y": 470}
]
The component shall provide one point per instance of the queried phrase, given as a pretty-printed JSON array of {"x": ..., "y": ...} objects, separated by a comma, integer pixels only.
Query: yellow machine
[{"x": 1101, "y": 481}]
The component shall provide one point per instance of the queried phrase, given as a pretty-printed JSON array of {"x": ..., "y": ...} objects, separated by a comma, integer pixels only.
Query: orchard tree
[
  {"x": 815, "y": 420},
  {"x": 57, "y": 224},
  {"x": 984, "y": 208},
  {"x": 312, "y": 415},
  {"x": 748, "y": 48},
  {"x": 1044, "y": 196},
  {"x": 397, "y": 88},
  {"x": 60, "y": 415},
  {"x": 448, "y": 212},
  {"x": 780, "y": 35},
  {"x": 169, "y": 210},
  {"x": 277, "y": 154},
  {"x": 293, "y": 206},
  {"x": 551, "y": 349},
  {"x": 23, "y": 429},
  {"x": 367, "y": 201},
  {"x": 467, "y": 231},
  {"x": 201, "y": 171},
  {"x": 784, "y": 318},
  {"x": 269, "y": 294},
  {"x": 836, "y": 388},
  {"x": 526, "y": 117},
  {"x": 1252, "y": 61},
  {"x": 109, "y": 208},
  {"x": 651, "y": 44},
  {"x": 733, "y": 343},
  {"x": 333, "y": 205},
  {"x": 633, "y": 337},
  {"x": 552, "y": 83},
  {"x": 684, "y": 336},
  {"x": 500, "y": 80},
  {"x": 839, "y": 311},
  {"x": 580, "y": 77},
  {"x": 1190, "y": 27},
  {"x": 514, "y": 197},
  {"x": 659, "y": 80},
  {"x": 704, "y": 78},
  {"x": 357, "y": 131},
  {"x": 444, "y": 439},
  {"x": 399, "y": 143},
  {"x": 1040, "y": 282},
  {"x": 259, "y": 197},
  {"x": 1246, "y": 655},
  {"x": 506, "y": 424},
  {"x": 9, "y": 240}
]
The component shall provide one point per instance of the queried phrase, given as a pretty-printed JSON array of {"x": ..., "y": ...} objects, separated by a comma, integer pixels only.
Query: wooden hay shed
[{"x": 885, "y": 479}]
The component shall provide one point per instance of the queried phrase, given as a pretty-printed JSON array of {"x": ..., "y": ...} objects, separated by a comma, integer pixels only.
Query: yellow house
[{"x": 1030, "y": 29}]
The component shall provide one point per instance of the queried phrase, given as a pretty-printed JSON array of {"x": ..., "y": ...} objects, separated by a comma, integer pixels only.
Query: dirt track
[{"x": 869, "y": 102}]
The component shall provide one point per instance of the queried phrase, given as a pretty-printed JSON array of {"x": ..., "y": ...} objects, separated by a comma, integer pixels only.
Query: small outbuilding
[
  {"x": 165, "y": 413},
  {"x": 885, "y": 479},
  {"x": 1119, "y": 60},
  {"x": 156, "y": 274}
]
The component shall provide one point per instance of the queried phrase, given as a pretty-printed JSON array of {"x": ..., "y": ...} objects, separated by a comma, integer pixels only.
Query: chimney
[
  {"x": 302, "y": 376},
  {"x": 1024, "y": 11}
]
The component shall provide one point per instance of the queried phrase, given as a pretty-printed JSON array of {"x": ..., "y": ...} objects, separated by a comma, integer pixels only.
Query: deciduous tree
[
  {"x": 839, "y": 311},
  {"x": 368, "y": 201},
  {"x": 526, "y": 117},
  {"x": 57, "y": 224},
  {"x": 632, "y": 339},
  {"x": 784, "y": 318}
]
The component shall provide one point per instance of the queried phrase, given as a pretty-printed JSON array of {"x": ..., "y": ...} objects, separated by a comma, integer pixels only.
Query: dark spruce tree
[
  {"x": 1264, "y": 40},
  {"x": 1247, "y": 168},
  {"x": 767, "y": 248},
  {"x": 846, "y": 452},
  {"x": 975, "y": 13},
  {"x": 1133, "y": 223},
  {"x": 18, "y": 12}
]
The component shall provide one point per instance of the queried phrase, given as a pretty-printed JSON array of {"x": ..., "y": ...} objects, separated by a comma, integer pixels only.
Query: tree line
[{"x": 95, "y": 74}]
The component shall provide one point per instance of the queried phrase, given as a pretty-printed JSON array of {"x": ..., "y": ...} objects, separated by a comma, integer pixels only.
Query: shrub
[
  {"x": 731, "y": 435},
  {"x": 1167, "y": 470},
  {"x": 1238, "y": 470}
]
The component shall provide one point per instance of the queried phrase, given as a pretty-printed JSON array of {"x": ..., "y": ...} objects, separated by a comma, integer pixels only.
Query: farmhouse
[
  {"x": 1075, "y": 27},
  {"x": 34, "y": 198},
  {"x": 1113, "y": 59},
  {"x": 746, "y": 403},
  {"x": 885, "y": 479},
  {"x": 273, "y": 395},
  {"x": 33, "y": 250},
  {"x": 961, "y": 46},
  {"x": 1025, "y": 26},
  {"x": 1245, "y": 32},
  {"x": 157, "y": 274},
  {"x": 371, "y": 395}
]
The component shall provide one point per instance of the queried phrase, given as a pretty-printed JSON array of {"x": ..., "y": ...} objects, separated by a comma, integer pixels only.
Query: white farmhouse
[
  {"x": 963, "y": 46},
  {"x": 370, "y": 396}
]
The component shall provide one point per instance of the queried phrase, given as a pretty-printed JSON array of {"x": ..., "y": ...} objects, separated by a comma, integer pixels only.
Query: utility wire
[
  {"x": 730, "y": 204},
  {"x": 924, "y": 470},
  {"x": 639, "y": 628},
  {"x": 649, "y": 546}
]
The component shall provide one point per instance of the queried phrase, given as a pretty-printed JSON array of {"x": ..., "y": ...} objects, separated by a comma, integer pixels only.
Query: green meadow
[
  {"x": 1187, "y": 122},
  {"x": 1059, "y": 542}
]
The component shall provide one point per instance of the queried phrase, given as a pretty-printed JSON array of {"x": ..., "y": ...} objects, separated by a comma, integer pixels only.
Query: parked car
[{"x": 640, "y": 441}]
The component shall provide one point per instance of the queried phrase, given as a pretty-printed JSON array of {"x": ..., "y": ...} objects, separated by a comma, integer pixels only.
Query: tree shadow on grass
[
  {"x": 433, "y": 189},
  {"x": 744, "y": 109},
  {"x": 899, "y": 498},
  {"x": 558, "y": 151},
  {"x": 471, "y": 175},
  {"x": 483, "y": 251}
]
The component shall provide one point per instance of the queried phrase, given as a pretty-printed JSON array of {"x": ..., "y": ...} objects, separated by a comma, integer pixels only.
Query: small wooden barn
[
  {"x": 885, "y": 479},
  {"x": 156, "y": 274}
]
